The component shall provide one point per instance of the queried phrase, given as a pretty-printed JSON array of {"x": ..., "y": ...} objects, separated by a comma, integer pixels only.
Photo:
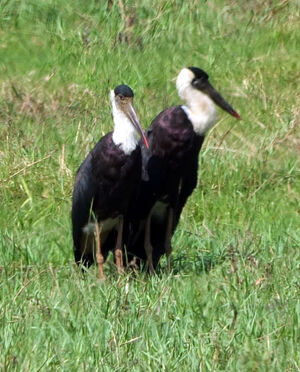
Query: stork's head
[
  {"x": 194, "y": 79},
  {"x": 122, "y": 101}
]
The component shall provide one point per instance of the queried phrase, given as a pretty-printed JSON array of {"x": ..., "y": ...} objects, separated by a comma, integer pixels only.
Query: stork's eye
[
  {"x": 121, "y": 97},
  {"x": 200, "y": 82}
]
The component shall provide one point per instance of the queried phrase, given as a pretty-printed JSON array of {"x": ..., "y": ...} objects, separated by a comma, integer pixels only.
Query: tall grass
[{"x": 232, "y": 300}]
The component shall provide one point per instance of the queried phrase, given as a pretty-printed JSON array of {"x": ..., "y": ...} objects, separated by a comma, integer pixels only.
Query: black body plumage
[
  {"x": 169, "y": 175},
  {"x": 170, "y": 166},
  {"x": 105, "y": 185}
]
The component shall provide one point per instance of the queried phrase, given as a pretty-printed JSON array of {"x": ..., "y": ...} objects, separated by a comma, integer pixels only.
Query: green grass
[{"x": 232, "y": 301}]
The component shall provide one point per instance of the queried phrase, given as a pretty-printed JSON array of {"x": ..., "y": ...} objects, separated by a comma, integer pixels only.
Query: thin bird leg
[
  {"x": 147, "y": 244},
  {"x": 99, "y": 256},
  {"x": 119, "y": 246},
  {"x": 168, "y": 237}
]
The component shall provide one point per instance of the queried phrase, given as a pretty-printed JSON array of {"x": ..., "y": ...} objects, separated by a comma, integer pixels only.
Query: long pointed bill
[
  {"x": 220, "y": 101},
  {"x": 135, "y": 121}
]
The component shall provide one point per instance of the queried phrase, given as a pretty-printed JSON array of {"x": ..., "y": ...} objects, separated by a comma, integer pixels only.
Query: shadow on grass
[{"x": 197, "y": 263}]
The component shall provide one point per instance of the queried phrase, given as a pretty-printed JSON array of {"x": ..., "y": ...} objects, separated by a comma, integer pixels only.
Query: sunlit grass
[{"x": 231, "y": 302}]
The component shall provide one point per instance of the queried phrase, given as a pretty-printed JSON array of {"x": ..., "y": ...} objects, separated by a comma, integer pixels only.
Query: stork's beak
[
  {"x": 130, "y": 112},
  {"x": 219, "y": 100}
]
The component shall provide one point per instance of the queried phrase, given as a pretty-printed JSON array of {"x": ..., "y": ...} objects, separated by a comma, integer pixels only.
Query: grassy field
[{"x": 232, "y": 301}]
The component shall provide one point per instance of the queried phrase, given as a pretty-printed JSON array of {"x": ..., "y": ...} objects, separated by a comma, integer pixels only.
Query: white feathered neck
[
  {"x": 124, "y": 134},
  {"x": 199, "y": 108}
]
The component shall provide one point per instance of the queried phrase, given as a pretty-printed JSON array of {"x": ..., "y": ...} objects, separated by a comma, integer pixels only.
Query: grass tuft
[{"x": 231, "y": 301}]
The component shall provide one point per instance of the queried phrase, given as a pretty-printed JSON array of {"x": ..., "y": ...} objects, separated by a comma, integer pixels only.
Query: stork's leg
[
  {"x": 99, "y": 256},
  {"x": 147, "y": 244},
  {"x": 168, "y": 237},
  {"x": 119, "y": 245}
]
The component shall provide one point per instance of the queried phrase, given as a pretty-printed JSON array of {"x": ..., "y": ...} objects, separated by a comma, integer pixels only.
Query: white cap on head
[{"x": 183, "y": 81}]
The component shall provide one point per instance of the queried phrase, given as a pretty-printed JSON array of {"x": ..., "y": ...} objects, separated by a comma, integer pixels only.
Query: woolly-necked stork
[
  {"x": 170, "y": 165},
  {"x": 105, "y": 185}
]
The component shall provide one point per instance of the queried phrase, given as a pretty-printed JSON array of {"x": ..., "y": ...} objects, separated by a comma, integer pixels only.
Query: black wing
[
  {"x": 105, "y": 185},
  {"x": 189, "y": 179},
  {"x": 171, "y": 160},
  {"x": 83, "y": 194}
]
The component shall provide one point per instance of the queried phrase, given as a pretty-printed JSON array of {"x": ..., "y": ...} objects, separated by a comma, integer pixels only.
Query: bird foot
[
  {"x": 101, "y": 271},
  {"x": 150, "y": 267},
  {"x": 119, "y": 260}
]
